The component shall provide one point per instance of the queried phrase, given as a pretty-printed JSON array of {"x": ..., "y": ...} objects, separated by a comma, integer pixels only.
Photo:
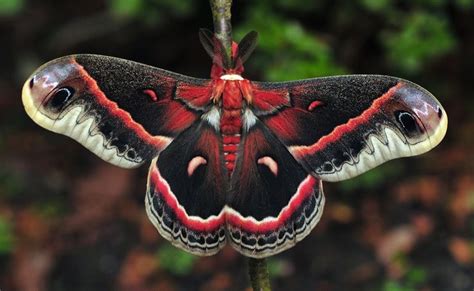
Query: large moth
[{"x": 233, "y": 160}]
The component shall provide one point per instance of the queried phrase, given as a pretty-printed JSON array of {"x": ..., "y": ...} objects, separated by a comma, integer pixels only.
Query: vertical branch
[
  {"x": 221, "y": 15},
  {"x": 259, "y": 277},
  {"x": 222, "y": 27}
]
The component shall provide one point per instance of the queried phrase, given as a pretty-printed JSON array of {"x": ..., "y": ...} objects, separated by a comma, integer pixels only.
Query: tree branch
[
  {"x": 221, "y": 15},
  {"x": 259, "y": 277},
  {"x": 222, "y": 27}
]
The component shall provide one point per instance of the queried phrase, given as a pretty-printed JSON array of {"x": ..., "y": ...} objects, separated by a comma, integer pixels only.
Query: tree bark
[
  {"x": 222, "y": 27},
  {"x": 259, "y": 277}
]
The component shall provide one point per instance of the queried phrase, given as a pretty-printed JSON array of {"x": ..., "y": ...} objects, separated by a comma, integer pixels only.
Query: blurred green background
[{"x": 69, "y": 221}]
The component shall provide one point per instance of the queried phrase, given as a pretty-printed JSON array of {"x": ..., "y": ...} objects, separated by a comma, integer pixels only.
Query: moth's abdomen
[
  {"x": 230, "y": 128},
  {"x": 230, "y": 145},
  {"x": 231, "y": 123}
]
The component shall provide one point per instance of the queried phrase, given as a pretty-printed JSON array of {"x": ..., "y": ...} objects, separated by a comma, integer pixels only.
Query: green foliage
[
  {"x": 6, "y": 237},
  {"x": 289, "y": 52},
  {"x": 149, "y": 11},
  {"x": 430, "y": 3},
  {"x": 297, "y": 5},
  {"x": 421, "y": 38},
  {"x": 174, "y": 260},
  {"x": 180, "y": 8},
  {"x": 415, "y": 35},
  {"x": 276, "y": 267},
  {"x": 126, "y": 8},
  {"x": 465, "y": 4},
  {"x": 376, "y": 5},
  {"x": 412, "y": 281},
  {"x": 10, "y": 7},
  {"x": 51, "y": 208}
]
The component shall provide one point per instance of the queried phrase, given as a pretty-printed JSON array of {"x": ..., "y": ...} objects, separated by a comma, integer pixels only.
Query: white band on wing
[{"x": 232, "y": 77}]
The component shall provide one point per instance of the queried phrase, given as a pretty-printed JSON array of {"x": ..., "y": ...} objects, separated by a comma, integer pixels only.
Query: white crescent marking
[
  {"x": 194, "y": 163},
  {"x": 270, "y": 163}
]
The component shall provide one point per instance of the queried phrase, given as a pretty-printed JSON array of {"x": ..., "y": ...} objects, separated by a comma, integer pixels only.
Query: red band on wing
[
  {"x": 267, "y": 100},
  {"x": 286, "y": 123},
  {"x": 159, "y": 142},
  {"x": 194, "y": 223},
  {"x": 301, "y": 151},
  {"x": 249, "y": 224},
  {"x": 177, "y": 117},
  {"x": 196, "y": 96}
]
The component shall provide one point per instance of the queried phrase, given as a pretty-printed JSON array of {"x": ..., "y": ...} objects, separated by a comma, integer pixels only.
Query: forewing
[
  {"x": 273, "y": 202},
  {"x": 124, "y": 112},
  {"x": 186, "y": 192},
  {"x": 340, "y": 127}
]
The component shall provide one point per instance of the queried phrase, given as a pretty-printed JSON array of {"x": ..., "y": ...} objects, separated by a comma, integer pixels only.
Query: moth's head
[
  {"x": 51, "y": 88},
  {"x": 418, "y": 115},
  {"x": 222, "y": 63}
]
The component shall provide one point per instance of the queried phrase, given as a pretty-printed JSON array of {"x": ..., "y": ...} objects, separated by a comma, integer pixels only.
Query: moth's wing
[
  {"x": 186, "y": 192},
  {"x": 124, "y": 112},
  {"x": 273, "y": 202},
  {"x": 340, "y": 127}
]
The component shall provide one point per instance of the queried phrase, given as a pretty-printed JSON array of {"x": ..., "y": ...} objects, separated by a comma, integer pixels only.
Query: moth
[{"x": 233, "y": 160}]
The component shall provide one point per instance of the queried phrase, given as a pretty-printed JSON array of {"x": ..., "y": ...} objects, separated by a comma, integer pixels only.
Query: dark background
[{"x": 69, "y": 221}]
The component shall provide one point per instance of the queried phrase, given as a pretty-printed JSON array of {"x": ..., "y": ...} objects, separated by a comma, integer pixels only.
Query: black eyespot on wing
[
  {"x": 61, "y": 96},
  {"x": 440, "y": 112},
  {"x": 32, "y": 82},
  {"x": 407, "y": 121}
]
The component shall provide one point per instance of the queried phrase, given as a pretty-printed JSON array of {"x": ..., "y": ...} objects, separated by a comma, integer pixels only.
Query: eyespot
[
  {"x": 440, "y": 112},
  {"x": 32, "y": 82},
  {"x": 61, "y": 96},
  {"x": 407, "y": 121}
]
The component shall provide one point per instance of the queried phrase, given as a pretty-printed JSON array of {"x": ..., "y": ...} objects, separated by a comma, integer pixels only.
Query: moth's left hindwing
[
  {"x": 124, "y": 112},
  {"x": 186, "y": 192}
]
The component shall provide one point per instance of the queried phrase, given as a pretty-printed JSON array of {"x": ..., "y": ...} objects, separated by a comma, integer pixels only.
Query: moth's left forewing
[
  {"x": 123, "y": 111},
  {"x": 340, "y": 127}
]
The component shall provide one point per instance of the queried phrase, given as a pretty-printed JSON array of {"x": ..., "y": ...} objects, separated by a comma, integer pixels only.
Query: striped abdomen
[{"x": 231, "y": 123}]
